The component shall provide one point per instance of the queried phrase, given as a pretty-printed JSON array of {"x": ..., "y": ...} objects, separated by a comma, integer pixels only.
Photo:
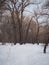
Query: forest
[{"x": 18, "y": 27}]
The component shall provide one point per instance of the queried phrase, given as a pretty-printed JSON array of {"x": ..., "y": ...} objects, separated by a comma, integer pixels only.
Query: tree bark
[{"x": 45, "y": 47}]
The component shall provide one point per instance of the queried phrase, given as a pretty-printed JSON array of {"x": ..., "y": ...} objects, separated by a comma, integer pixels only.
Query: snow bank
[{"x": 27, "y": 54}]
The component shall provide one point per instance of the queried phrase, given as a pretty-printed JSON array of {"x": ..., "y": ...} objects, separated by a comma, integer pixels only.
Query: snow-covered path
[{"x": 23, "y": 55}]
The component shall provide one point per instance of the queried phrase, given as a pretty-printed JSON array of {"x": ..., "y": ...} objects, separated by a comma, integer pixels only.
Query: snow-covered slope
[{"x": 27, "y": 54}]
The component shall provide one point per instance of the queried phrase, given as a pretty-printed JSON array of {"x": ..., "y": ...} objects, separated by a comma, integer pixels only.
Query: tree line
[{"x": 16, "y": 27}]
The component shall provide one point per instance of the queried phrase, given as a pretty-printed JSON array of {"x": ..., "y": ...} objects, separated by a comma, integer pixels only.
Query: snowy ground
[{"x": 27, "y": 54}]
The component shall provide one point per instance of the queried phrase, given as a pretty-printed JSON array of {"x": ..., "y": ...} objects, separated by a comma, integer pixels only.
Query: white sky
[{"x": 37, "y": 8}]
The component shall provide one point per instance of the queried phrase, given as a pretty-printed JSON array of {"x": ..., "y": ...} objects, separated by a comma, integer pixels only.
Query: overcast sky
[{"x": 38, "y": 8}]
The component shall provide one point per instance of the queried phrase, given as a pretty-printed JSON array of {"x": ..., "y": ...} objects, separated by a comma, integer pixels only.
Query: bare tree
[{"x": 12, "y": 6}]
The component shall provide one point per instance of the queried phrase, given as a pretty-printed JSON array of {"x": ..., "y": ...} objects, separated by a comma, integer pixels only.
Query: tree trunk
[
  {"x": 14, "y": 28},
  {"x": 45, "y": 47}
]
